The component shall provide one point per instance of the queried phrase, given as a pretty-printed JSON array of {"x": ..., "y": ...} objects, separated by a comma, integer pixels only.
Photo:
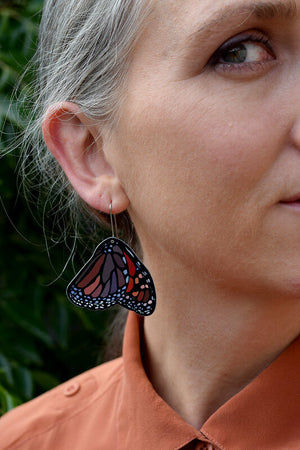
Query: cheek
[
  {"x": 195, "y": 156},
  {"x": 194, "y": 170}
]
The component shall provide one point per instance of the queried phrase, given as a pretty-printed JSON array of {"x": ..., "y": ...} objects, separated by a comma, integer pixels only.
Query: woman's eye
[{"x": 248, "y": 54}]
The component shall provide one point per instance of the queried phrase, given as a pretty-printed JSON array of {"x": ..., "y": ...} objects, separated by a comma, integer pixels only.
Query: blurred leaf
[
  {"x": 23, "y": 380},
  {"x": 25, "y": 352},
  {"x": 6, "y": 368},
  {"x": 7, "y": 401},
  {"x": 30, "y": 325},
  {"x": 45, "y": 380}
]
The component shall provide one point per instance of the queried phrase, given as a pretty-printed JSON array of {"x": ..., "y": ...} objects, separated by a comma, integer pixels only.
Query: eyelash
[{"x": 240, "y": 67}]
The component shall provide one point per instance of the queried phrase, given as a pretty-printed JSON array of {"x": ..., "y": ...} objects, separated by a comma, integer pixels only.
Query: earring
[{"x": 114, "y": 275}]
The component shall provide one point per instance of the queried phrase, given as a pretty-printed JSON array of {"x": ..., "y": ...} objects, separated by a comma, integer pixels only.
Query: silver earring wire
[{"x": 113, "y": 222}]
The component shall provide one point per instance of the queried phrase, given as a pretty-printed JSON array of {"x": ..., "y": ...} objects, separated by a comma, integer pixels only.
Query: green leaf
[
  {"x": 62, "y": 324},
  {"x": 23, "y": 380},
  {"x": 8, "y": 111},
  {"x": 6, "y": 368},
  {"x": 28, "y": 324},
  {"x": 26, "y": 353},
  {"x": 8, "y": 401},
  {"x": 45, "y": 380}
]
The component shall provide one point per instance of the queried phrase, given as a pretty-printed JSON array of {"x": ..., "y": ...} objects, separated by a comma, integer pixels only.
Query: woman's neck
[{"x": 202, "y": 347}]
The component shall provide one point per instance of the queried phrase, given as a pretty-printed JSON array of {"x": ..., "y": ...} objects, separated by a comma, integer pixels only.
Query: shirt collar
[{"x": 263, "y": 415}]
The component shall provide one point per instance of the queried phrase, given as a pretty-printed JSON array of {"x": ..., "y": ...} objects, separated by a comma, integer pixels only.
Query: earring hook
[{"x": 113, "y": 222}]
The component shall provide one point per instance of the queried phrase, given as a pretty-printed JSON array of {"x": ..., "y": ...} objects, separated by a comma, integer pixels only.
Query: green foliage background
[{"x": 44, "y": 340}]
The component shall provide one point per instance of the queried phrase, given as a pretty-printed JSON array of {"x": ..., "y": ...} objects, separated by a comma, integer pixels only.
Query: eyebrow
[{"x": 260, "y": 10}]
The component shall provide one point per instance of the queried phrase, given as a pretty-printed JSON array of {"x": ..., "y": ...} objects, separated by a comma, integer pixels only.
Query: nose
[
  {"x": 295, "y": 131},
  {"x": 295, "y": 108}
]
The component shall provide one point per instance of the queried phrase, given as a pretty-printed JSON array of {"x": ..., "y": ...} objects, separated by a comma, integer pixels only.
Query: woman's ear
[{"x": 77, "y": 141}]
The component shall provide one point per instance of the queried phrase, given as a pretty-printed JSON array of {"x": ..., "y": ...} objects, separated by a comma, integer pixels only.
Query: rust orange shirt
[{"x": 114, "y": 406}]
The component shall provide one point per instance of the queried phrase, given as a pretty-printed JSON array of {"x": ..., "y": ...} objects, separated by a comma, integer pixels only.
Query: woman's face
[{"x": 208, "y": 142}]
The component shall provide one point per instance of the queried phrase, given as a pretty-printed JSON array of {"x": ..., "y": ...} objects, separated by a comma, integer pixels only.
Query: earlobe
[{"x": 76, "y": 142}]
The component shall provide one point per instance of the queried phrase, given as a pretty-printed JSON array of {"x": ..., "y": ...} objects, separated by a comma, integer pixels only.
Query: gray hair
[{"x": 83, "y": 56}]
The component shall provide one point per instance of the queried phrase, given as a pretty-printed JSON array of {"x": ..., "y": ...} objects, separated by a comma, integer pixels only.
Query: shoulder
[{"x": 93, "y": 391}]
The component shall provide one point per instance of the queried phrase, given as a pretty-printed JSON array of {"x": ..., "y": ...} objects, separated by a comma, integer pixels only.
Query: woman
[{"x": 185, "y": 114}]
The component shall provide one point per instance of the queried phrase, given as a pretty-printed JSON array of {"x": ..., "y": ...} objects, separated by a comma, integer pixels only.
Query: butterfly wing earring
[{"x": 114, "y": 275}]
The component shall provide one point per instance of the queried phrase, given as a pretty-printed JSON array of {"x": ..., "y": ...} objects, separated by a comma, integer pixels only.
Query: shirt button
[
  {"x": 203, "y": 446},
  {"x": 71, "y": 389}
]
